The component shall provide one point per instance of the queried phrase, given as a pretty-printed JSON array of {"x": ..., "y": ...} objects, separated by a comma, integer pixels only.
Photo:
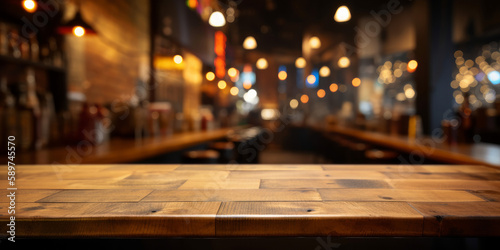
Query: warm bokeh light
[
  {"x": 282, "y": 75},
  {"x": 261, "y": 63},
  {"x": 79, "y": 31},
  {"x": 247, "y": 85},
  {"x": 300, "y": 62},
  {"x": 356, "y": 82},
  {"x": 30, "y": 6},
  {"x": 334, "y": 87},
  {"x": 222, "y": 84},
  {"x": 178, "y": 59},
  {"x": 210, "y": 76},
  {"x": 217, "y": 19},
  {"x": 321, "y": 93},
  {"x": 412, "y": 66},
  {"x": 250, "y": 43},
  {"x": 342, "y": 14},
  {"x": 192, "y": 4},
  {"x": 409, "y": 93},
  {"x": 344, "y": 62},
  {"x": 314, "y": 42},
  {"x": 234, "y": 91},
  {"x": 324, "y": 71},
  {"x": 294, "y": 103},
  {"x": 311, "y": 79},
  {"x": 304, "y": 98},
  {"x": 232, "y": 72}
]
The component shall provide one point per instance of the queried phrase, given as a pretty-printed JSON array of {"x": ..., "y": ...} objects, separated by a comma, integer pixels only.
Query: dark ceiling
[{"x": 279, "y": 25}]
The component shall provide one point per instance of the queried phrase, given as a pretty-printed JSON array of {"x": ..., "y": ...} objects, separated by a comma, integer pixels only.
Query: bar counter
[
  {"x": 121, "y": 150},
  {"x": 427, "y": 147},
  {"x": 74, "y": 201}
]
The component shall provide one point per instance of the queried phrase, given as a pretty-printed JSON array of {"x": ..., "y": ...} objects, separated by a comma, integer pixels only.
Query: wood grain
[
  {"x": 234, "y": 195},
  {"x": 396, "y": 195},
  {"x": 112, "y": 195},
  {"x": 472, "y": 219},
  {"x": 317, "y": 219},
  {"x": 253, "y": 200},
  {"x": 115, "y": 219}
]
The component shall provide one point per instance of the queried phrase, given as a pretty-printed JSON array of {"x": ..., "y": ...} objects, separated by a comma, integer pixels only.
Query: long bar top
[
  {"x": 253, "y": 200},
  {"x": 427, "y": 147},
  {"x": 120, "y": 150}
]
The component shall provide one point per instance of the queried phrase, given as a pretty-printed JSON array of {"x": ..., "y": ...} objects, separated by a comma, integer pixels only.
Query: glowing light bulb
[
  {"x": 344, "y": 62},
  {"x": 300, "y": 62},
  {"x": 210, "y": 76},
  {"x": 304, "y": 98},
  {"x": 294, "y": 103},
  {"x": 247, "y": 85},
  {"x": 342, "y": 14},
  {"x": 234, "y": 91},
  {"x": 249, "y": 43},
  {"x": 324, "y": 71},
  {"x": 412, "y": 66},
  {"x": 321, "y": 93},
  {"x": 356, "y": 82},
  {"x": 334, "y": 87},
  {"x": 30, "y": 6},
  {"x": 232, "y": 72},
  {"x": 79, "y": 31},
  {"x": 262, "y": 63},
  {"x": 314, "y": 42},
  {"x": 282, "y": 75},
  {"x": 178, "y": 59},
  {"x": 311, "y": 79},
  {"x": 217, "y": 19},
  {"x": 222, "y": 84}
]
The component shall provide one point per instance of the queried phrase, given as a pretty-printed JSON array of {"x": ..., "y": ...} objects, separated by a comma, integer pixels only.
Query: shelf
[{"x": 39, "y": 65}]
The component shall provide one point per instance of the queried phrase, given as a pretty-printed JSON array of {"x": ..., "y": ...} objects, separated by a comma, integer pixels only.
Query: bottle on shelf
[
  {"x": 14, "y": 49},
  {"x": 35, "y": 49},
  {"x": 56, "y": 55},
  {"x": 7, "y": 112},
  {"x": 4, "y": 40},
  {"x": 29, "y": 113}
]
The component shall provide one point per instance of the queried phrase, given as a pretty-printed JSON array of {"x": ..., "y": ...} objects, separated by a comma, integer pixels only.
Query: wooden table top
[
  {"x": 432, "y": 148},
  {"x": 120, "y": 150},
  {"x": 254, "y": 200}
]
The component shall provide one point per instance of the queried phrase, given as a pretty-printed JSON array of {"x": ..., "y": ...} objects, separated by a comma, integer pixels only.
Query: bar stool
[
  {"x": 201, "y": 157},
  {"x": 377, "y": 156},
  {"x": 225, "y": 150}
]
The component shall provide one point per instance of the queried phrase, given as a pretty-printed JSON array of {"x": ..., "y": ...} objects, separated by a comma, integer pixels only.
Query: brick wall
[{"x": 106, "y": 67}]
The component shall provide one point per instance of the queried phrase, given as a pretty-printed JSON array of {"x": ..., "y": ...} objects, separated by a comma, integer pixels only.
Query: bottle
[
  {"x": 4, "y": 40},
  {"x": 35, "y": 49},
  {"x": 57, "y": 60},
  {"x": 7, "y": 113},
  {"x": 29, "y": 113},
  {"x": 14, "y": 49}
]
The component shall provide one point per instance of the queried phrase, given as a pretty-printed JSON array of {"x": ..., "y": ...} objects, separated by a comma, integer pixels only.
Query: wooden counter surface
[
  {"x": 436, "y": 149},
  {"x": 120, "y": 150},
  {"x": 253, "y": 200}
]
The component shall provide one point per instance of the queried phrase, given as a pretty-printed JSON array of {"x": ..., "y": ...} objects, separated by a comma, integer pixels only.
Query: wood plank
[
  {"x": 234, "y": 195},
  {"x": 180, "y": 175},
  {"x": 374, "y": 167},
  {"x": 221, "y": 184},
  {"x": 141, "y": 167},
  {"x": 27, "y": 195},
  {"x": 445, "y": 184},
  {"x": 396, "y": 195},
  {"x": 452, "y": 176},
  {"x": 318, "y": 219},
  {"x": 323, "y": 183},
  {"x": 109, "y": 195},
  {"x": 251, "y": 167},
  {"x": 170, "y": 219},
  {"x": 471, "y": 219},
  {"x": 306, "y": 175},
  {"x": 488, "y": 195}
]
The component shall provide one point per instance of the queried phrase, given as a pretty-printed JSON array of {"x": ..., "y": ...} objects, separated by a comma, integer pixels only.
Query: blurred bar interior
[{"x": 272, "y": 81}]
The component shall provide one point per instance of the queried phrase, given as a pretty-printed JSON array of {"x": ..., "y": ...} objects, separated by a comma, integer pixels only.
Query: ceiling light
[
  {"x": 217, "y": 19},
  {"x": 76, "y": 26},
  {"x": 250, "y": 43},
  {"x": 300, "y": 62},
  {"x": 324, "y": 71},
  {"x": 342, "y": 14},
  {"x": 344, "y": 62},
  {"x": 262, "y": 63},
  {"x": 314, "y": 42}
]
